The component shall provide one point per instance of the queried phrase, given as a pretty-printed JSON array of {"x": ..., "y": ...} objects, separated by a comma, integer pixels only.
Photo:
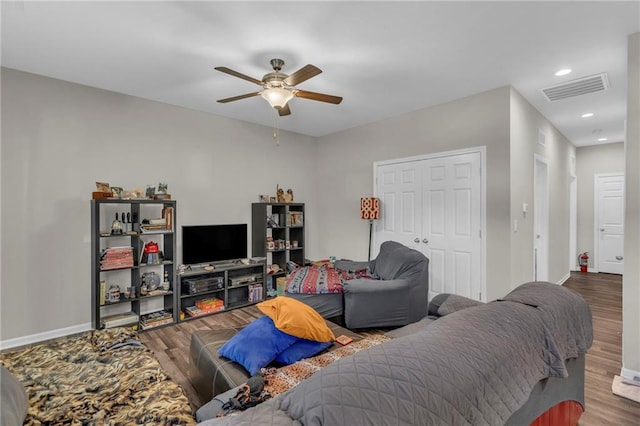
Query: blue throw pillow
[
  {"x": 256, "y": 345},
  {"x": 301, "y": 349}
]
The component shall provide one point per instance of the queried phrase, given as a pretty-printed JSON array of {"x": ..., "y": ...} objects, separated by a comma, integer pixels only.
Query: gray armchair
[{"x": 399, "y": 297}]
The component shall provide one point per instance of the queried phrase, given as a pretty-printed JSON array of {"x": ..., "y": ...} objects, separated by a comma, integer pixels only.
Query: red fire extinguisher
[{"x": 583, "y": 261}]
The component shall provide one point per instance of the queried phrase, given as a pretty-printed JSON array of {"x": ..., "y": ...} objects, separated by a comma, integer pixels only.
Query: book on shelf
[
  {"x": 255, "y": 293},
  {"x": 154, "y": 231},
  {"x": 158, "y": 292},
  {"x": 127, "y": 318},
  {"x": 209, "y": 304},
  {"x": 147, "y": 326},
  {"x": 116, "y": 258},
  {"x": 296, "y": 218},
  {"x": 167, "y": 215},
  {"x": 194, "y": 311},
  {"x": 155, "y": 319}
]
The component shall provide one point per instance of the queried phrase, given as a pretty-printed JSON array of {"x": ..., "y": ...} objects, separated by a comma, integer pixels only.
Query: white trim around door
[
  {"x": 540, "y": 218},
  {"x": 401, "y": 182},
  {"x": 608, "y": 221}
]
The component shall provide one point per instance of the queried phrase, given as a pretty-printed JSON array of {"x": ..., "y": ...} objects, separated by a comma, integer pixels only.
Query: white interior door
[
  {"x": 609, "y": 221},
  {"x": 451, "y": 224},
  {"x": 398, "y": 187},
  {"x": 435, "y": 204},
  {"x": 540, "y": 220}
]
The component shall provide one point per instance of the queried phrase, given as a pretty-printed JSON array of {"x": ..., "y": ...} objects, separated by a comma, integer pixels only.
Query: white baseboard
[
  {"x": 629, "y": 374},
  {"x": 41, "y": 337},
  {"x": 564, "y": 279}
]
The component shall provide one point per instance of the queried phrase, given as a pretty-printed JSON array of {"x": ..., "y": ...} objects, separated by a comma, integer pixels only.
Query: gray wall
[
  {"x": 592, "y": 160},
  {"x": 504, "y": 122},
  {"x": 345, "y": 168},
  {"x": 526, "y": 124},
  {"x": 631, "y": 279},
  {"x": 59, "y": 138}
]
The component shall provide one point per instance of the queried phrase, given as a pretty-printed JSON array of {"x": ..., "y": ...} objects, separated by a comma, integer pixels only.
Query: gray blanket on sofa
[{"x": 476, "y": 366}]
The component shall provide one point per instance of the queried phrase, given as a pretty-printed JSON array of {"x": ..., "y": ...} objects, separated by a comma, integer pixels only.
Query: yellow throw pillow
[{"x": 297, "y": 319}]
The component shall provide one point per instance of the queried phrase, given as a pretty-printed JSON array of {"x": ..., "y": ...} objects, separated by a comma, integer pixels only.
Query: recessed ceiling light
[
  {"x": 563, "y": 71},
  {"x": 602, "y": 139},
  {"x": 587, "y": 115}
]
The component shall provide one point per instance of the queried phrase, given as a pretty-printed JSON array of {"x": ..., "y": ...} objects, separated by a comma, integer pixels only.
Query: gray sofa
[
  {"x": 504, "y": 362},
  {"x": 397, "y": 298}
]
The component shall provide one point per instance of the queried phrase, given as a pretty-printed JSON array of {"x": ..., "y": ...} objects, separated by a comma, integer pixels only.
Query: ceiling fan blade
[
  {"x": 303, "y": 74},
  {"x": 318, "y": 97},
  {"x": 237, "y": 98},
  {"x": 285, "y": 110},
  {"x": 239, "y": 75}
]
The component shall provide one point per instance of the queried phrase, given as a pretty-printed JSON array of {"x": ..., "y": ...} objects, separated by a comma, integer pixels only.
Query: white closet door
[
  {"x": 452, "y": 224},
  {"x": 398, "y": 187},
  {"x": 435, "y": 205}
]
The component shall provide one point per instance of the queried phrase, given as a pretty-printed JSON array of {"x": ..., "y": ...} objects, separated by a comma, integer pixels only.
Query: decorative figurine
[
  {"x": 113, "y": 295},
  {"x": 116, "y": 226},
  {"x": 116, "y": 192},
  {"x": 166, "y": 284},
  {"x": 162, "y": 194},
  {"x": 282, "y": 196}
]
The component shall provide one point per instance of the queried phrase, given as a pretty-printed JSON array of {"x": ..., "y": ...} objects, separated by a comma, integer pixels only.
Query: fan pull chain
[{"x": 275, "y": 130}]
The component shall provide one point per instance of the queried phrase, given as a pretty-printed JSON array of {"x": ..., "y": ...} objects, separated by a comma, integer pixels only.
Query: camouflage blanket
[{"x": 102, "y": 377}]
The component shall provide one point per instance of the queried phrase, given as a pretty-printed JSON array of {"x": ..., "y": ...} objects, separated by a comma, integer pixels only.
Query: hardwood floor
[
  {"x": 603, "y": 292},
  {"x": 171, "y": 344}
]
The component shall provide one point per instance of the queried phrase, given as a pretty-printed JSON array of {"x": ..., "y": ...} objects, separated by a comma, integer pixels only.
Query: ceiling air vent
[{"x": 580, "y": 86}]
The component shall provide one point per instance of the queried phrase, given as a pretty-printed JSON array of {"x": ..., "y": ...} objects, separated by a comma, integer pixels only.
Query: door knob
[
  {"x": 417, "y": 240},
  {"x": 619, "y": 257},
  {"x": 424, "y": 240}
]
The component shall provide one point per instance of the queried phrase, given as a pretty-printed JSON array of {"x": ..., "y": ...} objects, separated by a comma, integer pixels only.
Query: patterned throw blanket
[
  {"x": 280, "y": 380},
  {"x": 103, "y": 377},
  {"x": 321, "y": 279}
]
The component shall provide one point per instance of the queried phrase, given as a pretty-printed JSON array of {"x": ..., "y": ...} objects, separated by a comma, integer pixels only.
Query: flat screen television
[{"x": 213, "y": 243}]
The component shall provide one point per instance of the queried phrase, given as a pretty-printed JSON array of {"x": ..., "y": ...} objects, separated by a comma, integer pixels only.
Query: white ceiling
[{"x": 384, "y": 58}]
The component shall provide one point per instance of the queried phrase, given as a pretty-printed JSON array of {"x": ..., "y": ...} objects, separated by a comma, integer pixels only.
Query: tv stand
[
  {"x": 224, "y": 265},
  {"x": 229, "y": 285}
]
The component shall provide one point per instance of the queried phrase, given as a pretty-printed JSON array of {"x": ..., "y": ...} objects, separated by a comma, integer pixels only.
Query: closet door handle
[
  {"x": 416, "y": 240},
  {"x": 426, "y": 241}
]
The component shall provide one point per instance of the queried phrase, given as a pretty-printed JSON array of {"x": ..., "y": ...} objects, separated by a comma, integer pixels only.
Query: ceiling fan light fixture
[{"x": 277, "y": 96}]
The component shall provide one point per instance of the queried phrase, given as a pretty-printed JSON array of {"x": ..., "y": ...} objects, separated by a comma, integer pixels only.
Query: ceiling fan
[{"x": 279, "y": 88}]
